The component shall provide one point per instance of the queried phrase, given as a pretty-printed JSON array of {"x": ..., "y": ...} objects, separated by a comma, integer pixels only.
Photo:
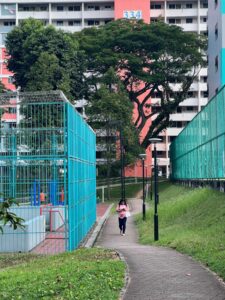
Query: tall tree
[
  {"x": 109, "y": 109},
  {"x": 148, "y": 58},
  {"x": 42, "y": 57}
]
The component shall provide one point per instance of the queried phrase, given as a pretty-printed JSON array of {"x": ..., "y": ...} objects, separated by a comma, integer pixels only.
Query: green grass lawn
[
  {"x": 191, "y": 221},
  {"x": 84, "y": 274}
]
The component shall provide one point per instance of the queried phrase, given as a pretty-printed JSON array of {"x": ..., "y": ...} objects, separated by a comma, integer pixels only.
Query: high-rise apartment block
[
  {"x": 216, "y": 48},
  {"x": 74, "y": 15},
  {"x": 192, "y": 17}
]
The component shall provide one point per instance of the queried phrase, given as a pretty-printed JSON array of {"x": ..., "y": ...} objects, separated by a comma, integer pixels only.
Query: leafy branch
[{"x": 9, "y": 217}]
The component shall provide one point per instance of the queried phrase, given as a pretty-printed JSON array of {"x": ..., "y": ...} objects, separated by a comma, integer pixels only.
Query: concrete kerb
[
  {"x": 127, "y": 275},
  {"x": 91, "y": 241}
]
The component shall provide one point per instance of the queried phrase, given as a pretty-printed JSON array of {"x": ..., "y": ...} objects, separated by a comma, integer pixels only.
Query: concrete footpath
[{"x": 157, "y": 273}]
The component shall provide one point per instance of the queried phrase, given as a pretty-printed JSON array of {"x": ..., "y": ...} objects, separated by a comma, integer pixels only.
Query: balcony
[
  {"x": 160, "y": 147},
  {"x": 189, "y": 27},
  {"x": 69, "y": 28},
  {"x": 6, "y": 29},
  {"x": 173, "y": 131},
  {"x": 66, "y": 15},
  {"x": 98, "y": 14},
  {"x": 203, "y": 27},
  {"x": 190, "y": 102},
  {"x": 186, "y": 116},
  {"x": 184, "y": 12},
  {"x": 156, "y": 13},
  {"x": 41, "y": 15}
]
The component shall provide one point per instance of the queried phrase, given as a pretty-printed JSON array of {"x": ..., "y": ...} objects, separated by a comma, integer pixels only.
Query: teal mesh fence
[
  {"x": 47, "y": 164},
  {"x": 199, "y": 150}
]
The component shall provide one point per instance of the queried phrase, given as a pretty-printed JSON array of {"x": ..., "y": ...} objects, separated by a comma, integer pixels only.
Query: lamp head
[
  {"x": 155, "y": 140},
  {"x": 142, "y": 155}
]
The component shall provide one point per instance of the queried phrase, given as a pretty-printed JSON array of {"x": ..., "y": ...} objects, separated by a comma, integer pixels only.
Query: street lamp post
[
  {"x": 122, "y": 177},
  {"x": 119, "y": 125},
  {"x": 156, "y": 222},
  {"x": 143, "y": 156}
]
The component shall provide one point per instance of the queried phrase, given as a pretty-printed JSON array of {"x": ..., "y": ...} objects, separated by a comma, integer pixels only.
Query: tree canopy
[
  {"x": 109, "y": 109},
  {"x": 148, "y": 59},
  {"x": 44, "y": 58}
]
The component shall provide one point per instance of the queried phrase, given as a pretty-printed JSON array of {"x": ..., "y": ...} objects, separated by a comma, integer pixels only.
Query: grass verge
[
  {"x": 115, "y": 192},
  {"x": 83, "y": 274},
  {"x": 191, "y": 221}
]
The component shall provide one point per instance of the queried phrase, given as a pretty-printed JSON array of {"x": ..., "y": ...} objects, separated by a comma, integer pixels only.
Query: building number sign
[{"x": 132, "y": 14}]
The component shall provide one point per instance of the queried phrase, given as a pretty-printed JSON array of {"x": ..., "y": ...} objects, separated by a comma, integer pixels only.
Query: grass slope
[
  {"x": 83, "y": 274},
  {"x": 191, "y": 221}
]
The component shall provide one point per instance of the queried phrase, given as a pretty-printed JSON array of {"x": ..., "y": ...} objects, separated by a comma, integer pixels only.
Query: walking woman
[{"x": 122, "y": 209}]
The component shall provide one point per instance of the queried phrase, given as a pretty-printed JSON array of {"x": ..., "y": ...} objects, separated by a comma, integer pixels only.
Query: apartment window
[
  {"x": 12, "y": 110},
  {"x": 93, "y": 7},
  {"x": 74, "y": 8},
  {"x": 12, "y": 125},
  {"x": 60, "y": 8},
  {"x": 156, "y": 6},
  {"x": 190, "y": 108},
  {"x": 93, "y": 22},
  {"x": 43, "y": 8},
  {"x": 204, "y": 94},
  {"x": 179, "y": 109},
  {"x": 188, "y": 5},
  {"x": 174, "y": 6},
  {"x": 11, "y": 80},
  {"x": 204, "y": 79},
  {"x": 108, "y": 7},
  {"x": 216, "y": 31},
  {"x": 171, "y": 138},
  {"x": 99, "y": 154},
  {"x": 189, "y": 20},
  {"x": 59, "y": 23},
  {"x": 204, "y": 20},
  {"x": 107, "y": 21},
  {"x": 154, "y": 20},
  {"x": 161, "y": 153},
  {"x": 74, "y": 23},
  {"x": 216, "y": 63},
  {"x": 174, "y": 21},
  {"x": 190, "y": 94},
  {"x": 204, "y": 5},
  {"x": 156, "y": 109},
  {"x": 25, "y": 8},
  {"x": 9, "y": 23},
  {"x": 176, "y": 124}
]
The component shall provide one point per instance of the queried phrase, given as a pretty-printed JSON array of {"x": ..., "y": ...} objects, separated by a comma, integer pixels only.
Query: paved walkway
[{"x": 157, "y": 273}]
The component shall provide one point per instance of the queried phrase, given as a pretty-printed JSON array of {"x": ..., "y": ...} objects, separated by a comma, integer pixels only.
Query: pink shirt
[{"x": 121, "y": 209}]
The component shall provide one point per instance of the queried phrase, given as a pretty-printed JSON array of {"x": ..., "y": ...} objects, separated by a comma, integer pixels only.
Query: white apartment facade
[
  {"x": 216, "y": 46},
  {"x": 74, "y": 15},
  {"x": 192, "y": 17}
]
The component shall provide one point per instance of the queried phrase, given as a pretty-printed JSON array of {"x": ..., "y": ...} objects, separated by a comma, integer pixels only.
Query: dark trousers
[{"x": 122, "y": 224}]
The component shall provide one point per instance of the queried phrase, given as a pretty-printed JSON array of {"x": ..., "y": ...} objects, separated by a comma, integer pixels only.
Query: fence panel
[
  {"x": 47, "y": 163},
  {"x": 198, "y": 152}
]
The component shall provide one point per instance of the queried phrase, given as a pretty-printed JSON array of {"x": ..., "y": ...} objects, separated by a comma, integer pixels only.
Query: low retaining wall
[{"x": 23, "y": 240}]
